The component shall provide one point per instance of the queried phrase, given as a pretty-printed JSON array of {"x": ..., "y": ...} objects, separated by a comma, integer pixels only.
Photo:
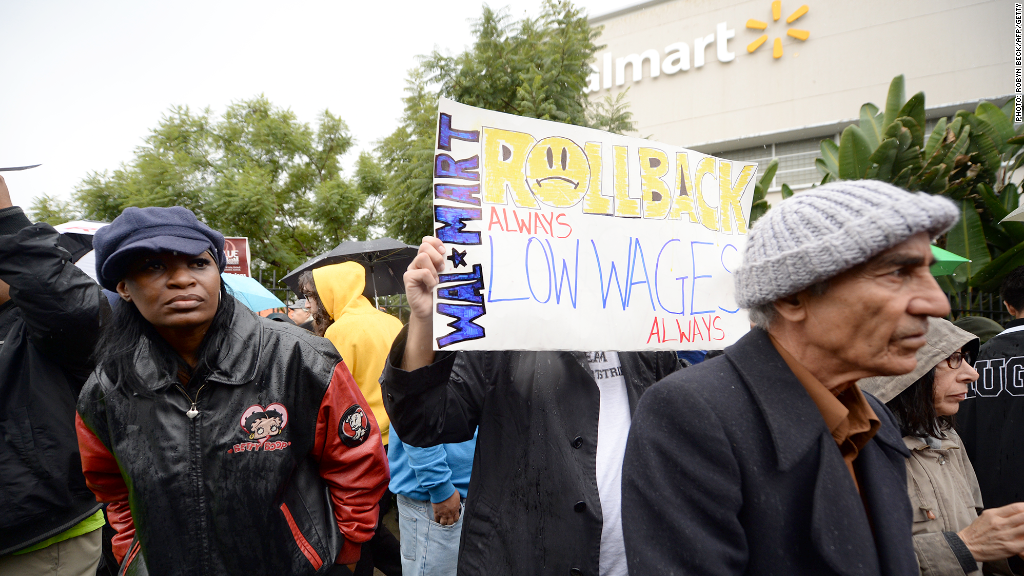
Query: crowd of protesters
[{"x": 172, "y": 427}]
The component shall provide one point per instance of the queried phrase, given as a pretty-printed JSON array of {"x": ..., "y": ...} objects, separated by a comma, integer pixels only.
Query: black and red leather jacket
[{"x": 280, "y": 471}]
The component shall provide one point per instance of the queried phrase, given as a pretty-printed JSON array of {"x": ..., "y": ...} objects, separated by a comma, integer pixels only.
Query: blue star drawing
[{"x": 458, "y": 258}]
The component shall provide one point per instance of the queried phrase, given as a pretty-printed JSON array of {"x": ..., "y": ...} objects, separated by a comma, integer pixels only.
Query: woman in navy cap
[{"x": 224, "y": 443}]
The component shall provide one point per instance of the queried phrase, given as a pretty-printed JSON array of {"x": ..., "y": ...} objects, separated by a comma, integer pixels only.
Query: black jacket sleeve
[
  {"x": 664, "y": 363},
  {"x": 439, "y": 403},
  {"x": 681, "y": 489},
  {"x": 60, "y": 304}
]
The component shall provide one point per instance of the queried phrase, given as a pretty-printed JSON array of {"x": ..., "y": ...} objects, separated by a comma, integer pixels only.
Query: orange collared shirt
[{"x": 846, "y": 412}]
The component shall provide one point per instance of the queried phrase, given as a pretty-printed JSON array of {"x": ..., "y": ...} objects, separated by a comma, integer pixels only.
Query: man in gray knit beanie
[{"x": 769, "y": 459}]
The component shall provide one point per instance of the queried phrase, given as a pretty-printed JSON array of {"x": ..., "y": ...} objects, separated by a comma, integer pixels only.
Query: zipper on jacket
[
  {"x": 196, "y": 475},
  {"x": 200, "y": 499}
]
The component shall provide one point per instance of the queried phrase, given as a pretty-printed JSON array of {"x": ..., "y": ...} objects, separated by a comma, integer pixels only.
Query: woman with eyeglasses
[{"x": 950, "y": 537}]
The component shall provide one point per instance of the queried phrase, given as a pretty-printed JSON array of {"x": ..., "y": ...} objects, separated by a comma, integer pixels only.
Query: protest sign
[
  {"x": 237, "y": 252},
  {"x": 559, "y": 237}
]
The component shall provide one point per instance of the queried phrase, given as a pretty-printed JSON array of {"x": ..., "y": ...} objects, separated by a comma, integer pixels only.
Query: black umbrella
[
  {"x": 385, "y": 261},
  {"x": 18, "y": 168}
]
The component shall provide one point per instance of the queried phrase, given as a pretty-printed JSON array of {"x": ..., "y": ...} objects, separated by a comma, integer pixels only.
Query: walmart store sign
[{"x": 676, "y": 57}]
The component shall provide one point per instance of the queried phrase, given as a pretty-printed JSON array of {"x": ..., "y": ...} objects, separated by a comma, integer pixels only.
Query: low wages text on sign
[{"x": 559, "y": 237}]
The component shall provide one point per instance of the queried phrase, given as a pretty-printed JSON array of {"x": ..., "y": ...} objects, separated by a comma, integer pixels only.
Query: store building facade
[{"x": 756, "y": 79}]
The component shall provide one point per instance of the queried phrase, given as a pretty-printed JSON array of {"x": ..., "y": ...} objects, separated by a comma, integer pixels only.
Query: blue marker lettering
[
  {"x": 490, "y": 279},
  {"x": 469, "y": 292},
  {"x": 454, "y": 224},
  {"x": 606, "y": 289},
  {"x": 445, "y": 133},
  {"x": 724, "y": 248},
  {"x": 682, "y": 293},
  {"x": 462, "y": 193},
  {"x": 447, "y": 167},
  {"x": 565, "y": 272},
  {"x": 693, "y": 290},
  {"x": 632, "y": 274},
  {"x": 465, "y": 328},
  {"x": 549, "y": 274}
]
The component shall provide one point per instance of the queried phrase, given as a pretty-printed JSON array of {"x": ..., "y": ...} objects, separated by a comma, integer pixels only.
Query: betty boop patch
[
  {"x": 354, "y": 427},
  {"x": 259, "y": 425}
]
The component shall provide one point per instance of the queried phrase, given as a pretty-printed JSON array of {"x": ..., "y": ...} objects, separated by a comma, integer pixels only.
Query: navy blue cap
[{"x": 140, "y": 231}]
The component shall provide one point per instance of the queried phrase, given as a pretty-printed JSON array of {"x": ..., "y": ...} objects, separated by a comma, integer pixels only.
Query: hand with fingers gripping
[{"x": 420, "y": 280}]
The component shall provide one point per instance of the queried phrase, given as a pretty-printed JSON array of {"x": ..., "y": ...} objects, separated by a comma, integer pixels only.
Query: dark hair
[
  {"x": 127, "y": 328},
  {"x": 252, "y": 418},
  {"x": 914, "y": 409},
  {"x": 321, "y": 319},
  {"x": 1012, "y": 288}
]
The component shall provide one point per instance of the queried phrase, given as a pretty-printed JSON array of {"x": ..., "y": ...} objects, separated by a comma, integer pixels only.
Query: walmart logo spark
[{"x": 776, "y": 14}]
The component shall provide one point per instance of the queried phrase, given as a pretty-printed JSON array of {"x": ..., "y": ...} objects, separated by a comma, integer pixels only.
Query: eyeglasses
[{"x": 957, "y": 358}]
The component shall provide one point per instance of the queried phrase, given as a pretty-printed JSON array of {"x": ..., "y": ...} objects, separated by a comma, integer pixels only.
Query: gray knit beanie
[{"x": 817, "y": 234}]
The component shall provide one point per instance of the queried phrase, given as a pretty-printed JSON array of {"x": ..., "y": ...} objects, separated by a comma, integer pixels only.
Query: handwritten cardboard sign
[{"x": 566, "y": 238}]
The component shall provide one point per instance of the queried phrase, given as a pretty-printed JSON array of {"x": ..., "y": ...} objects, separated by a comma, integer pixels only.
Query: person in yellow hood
[{"x": 361, "y": 333}]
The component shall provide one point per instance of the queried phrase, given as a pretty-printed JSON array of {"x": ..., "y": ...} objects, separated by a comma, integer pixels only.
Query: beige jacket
[{"x": 945, "y": 497}]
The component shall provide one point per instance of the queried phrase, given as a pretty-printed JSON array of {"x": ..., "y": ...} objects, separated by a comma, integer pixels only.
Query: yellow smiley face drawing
[{"x": 557, "y": 172}]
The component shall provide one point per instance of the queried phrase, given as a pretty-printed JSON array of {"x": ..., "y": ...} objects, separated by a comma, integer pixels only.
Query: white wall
[{"x": 953, "y": 50}]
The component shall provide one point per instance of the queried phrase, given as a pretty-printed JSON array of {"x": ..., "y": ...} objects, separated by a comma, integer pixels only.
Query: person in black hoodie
[
  {"x": 991, "y": 419},
  {"x": 50, "y": 313}
]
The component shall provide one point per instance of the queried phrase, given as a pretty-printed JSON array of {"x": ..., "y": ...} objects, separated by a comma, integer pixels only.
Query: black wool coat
[
  {"x": 533, "y": 506},
  {"x": 730, "y": 469}
]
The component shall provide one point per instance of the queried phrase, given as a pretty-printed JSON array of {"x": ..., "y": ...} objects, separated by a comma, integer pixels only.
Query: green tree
[
  {"x": 612, "y": 114},
  {"x": 970, "y": 158},
  {"x": 535, "y": 67},
  {"x": 406, "y": 157},
  {"x": 52, "y": 210},
  {"x": 256, "y": 171}
]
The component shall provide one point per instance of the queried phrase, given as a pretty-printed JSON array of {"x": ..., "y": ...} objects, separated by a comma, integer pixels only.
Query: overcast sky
[{"x": 82, "y": 83}]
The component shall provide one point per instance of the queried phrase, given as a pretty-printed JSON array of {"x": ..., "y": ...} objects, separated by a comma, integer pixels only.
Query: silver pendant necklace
[{"x": 192, "y": 411}]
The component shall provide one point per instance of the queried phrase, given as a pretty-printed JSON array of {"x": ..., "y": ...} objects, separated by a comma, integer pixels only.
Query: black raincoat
[
  {"x": 533, "y": 505},
  {"x": 47, "y": 333}
]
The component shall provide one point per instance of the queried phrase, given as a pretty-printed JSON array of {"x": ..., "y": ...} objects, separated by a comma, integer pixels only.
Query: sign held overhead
[{"x": 566, "y": 238}]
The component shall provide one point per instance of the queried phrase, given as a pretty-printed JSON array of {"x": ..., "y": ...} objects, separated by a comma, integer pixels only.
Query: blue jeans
[{"x": 428, "y": 548}]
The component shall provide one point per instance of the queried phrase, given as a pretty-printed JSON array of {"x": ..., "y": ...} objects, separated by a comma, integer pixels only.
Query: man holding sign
[
  {"x": 544, "y": 494},
  {"x": 769, "y": 459},
  {"x": 552, "y": 238}
]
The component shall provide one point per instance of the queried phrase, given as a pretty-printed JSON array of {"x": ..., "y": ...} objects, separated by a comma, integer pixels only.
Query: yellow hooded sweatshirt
[{"x": 361, "y": 333}]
